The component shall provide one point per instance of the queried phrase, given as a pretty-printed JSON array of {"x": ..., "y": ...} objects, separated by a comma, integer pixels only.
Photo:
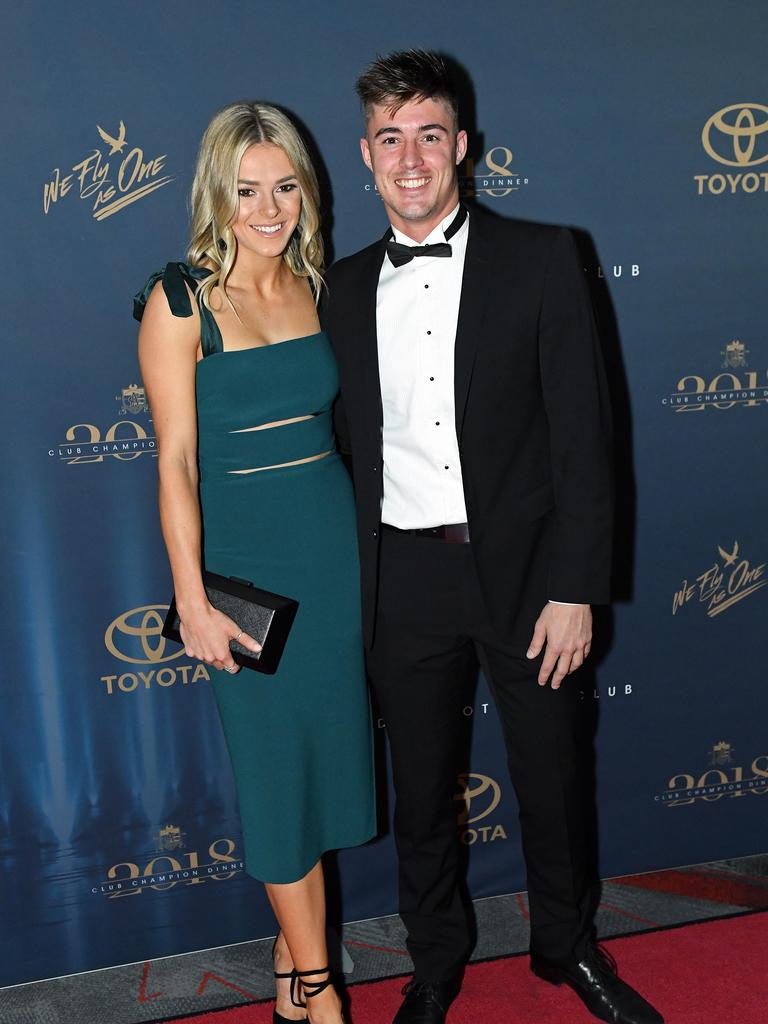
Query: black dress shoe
[
  {"x": 426, "y": 1002},
  {"x": 596, "y": 983}
]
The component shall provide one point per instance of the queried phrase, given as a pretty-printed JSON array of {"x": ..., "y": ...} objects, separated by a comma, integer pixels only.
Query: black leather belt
[{"x": 451, "y": 533}]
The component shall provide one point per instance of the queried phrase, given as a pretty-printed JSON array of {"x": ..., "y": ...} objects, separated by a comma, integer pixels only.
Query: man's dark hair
[{"x": 398, "y": 78}]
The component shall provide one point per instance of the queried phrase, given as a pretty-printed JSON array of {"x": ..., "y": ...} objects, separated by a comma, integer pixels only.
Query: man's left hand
[{"x": 566, "y": 632}]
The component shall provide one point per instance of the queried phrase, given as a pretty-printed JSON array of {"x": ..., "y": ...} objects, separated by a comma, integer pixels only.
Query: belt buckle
[{"x": 456, "y": 533}]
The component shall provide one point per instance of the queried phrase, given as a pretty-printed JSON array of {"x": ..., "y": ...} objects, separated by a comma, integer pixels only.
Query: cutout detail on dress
[
  {"x": 276, "y": 423},
  {"x": 282, "y": 465}
]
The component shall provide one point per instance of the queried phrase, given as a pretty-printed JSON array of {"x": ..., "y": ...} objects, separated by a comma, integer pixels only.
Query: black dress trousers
[{"x": 432, "y": 630}]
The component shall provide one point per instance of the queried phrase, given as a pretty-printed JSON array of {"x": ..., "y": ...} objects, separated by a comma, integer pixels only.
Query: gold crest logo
[
  {"x": 133, "y": 400},
  {"x": 170, "y": 837},
  {"x": 735, "y": 354},
  {"x": 721, "y": 753},
  {"x": 136, "y": 636}
]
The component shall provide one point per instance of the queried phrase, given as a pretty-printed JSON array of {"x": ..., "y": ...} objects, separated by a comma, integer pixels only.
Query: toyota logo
[
  {"x": 730, "y": 136},
  {"x": 136, "y": 636},
  {"x": 480, "y": 796}
]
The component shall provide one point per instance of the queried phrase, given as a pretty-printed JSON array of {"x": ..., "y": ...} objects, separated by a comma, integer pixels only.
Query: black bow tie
[{"x": 400, "y": 254}]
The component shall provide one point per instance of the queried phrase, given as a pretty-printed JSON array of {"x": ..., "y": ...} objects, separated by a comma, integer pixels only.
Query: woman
[{"x": 241, "y": 381}]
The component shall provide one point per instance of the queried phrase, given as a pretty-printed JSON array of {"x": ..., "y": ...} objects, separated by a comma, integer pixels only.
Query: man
[{"x": 476, "y": 414}]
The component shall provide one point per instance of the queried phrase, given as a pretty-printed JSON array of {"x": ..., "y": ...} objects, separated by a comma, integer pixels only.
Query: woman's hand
[{"x": 206, "y": 633}]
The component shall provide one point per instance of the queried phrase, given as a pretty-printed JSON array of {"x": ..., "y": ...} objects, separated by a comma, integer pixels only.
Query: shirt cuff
[{"x": 569, "y": 604}]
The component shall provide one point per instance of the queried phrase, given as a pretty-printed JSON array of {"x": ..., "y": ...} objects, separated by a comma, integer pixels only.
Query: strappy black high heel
[
  {"x": 310, "y": 988},
  {"x": 278, "y": 1018}
]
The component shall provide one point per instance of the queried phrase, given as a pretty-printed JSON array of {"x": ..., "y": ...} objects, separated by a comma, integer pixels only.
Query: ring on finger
[
  {"x": 236, "y": 638},
  {"x": 231, "y": 668}
]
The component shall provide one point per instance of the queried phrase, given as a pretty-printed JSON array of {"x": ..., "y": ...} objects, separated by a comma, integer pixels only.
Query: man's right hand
[{"x": 564, "y": 632}]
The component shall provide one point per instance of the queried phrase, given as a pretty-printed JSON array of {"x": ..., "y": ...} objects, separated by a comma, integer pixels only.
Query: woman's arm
[{"x": 168, "y": 351}]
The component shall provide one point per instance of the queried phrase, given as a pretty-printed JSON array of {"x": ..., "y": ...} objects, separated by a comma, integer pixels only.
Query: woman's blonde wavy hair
[{"x": 214, "y": 197}]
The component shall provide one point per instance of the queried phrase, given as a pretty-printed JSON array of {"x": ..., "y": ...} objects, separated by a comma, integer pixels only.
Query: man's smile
[{"x": 412, "y": 183}]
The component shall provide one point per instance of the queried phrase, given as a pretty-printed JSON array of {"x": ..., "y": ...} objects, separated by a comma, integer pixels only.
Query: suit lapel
[
  {"x": 368, "y": 349},
  {"x": 474, "y": 289}
]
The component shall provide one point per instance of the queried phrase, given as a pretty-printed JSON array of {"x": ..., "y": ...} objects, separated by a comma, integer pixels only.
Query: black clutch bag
[{"x": 265, "y": 616}]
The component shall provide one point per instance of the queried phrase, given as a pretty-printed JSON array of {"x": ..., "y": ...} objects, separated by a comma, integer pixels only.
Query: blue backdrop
[{"x": 645, "y": 128}]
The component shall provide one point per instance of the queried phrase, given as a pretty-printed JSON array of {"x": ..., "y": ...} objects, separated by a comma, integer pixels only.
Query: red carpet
[
  {"x": 716, "y": 885},
  {"x": 700, "y": 974}
]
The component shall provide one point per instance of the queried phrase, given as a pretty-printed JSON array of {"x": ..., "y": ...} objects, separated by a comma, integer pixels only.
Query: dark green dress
[{"x": 300, "y": 740}]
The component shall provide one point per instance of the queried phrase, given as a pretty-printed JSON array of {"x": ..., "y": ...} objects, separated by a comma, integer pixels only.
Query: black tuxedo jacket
[{"x": 532, "y": 419}]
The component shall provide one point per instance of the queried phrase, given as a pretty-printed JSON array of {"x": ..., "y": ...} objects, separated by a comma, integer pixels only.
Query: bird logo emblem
[
  {"x": 116, "y": 145},
  {"x": 729, "y": 559}
]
